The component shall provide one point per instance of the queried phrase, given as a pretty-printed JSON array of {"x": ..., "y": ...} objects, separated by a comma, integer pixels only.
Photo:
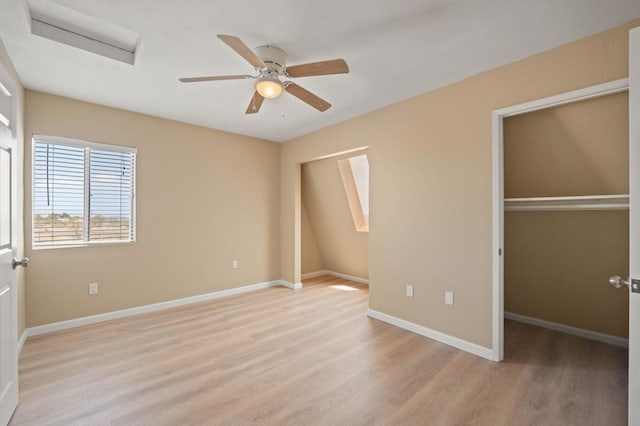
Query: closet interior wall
[{"x": 557, "y": 262}]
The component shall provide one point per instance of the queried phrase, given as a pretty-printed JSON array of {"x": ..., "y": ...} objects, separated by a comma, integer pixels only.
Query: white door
[
  {"x": 8, "y": 249},
  {"x": 634, "y": 222}
]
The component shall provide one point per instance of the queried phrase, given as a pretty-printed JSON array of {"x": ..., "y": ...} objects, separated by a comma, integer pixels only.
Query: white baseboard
[
  {"x": 93, "y": 319},
  {"x": 21, "y": 341},
  {"x": 581, "y": 332},
  {"x": 314, "y": 274},
  {"x": 288, "y": 284},
  {"x": 335, "y": 274},
  {"x": 348, "y": 277},
  {"x": 433, "y": 334}
]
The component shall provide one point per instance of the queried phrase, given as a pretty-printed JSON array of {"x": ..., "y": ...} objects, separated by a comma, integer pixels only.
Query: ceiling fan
[{"x": 270, "y": 63}]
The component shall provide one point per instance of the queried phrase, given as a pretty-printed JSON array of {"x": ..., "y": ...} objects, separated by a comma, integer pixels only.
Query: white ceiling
[{"x": 395, "y": 50}]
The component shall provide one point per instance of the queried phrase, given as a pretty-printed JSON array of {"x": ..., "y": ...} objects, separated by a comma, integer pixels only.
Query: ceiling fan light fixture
[{"x": 269, "y": 87}]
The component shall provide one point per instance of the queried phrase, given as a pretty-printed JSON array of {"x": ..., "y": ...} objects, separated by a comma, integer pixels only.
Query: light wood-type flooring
[{"x": 309, "y": 357}]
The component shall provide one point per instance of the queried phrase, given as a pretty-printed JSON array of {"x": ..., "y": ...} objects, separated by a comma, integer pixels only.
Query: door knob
[
  {"x": 24, "y": 262},
  {"x": 617, "y": 281}
]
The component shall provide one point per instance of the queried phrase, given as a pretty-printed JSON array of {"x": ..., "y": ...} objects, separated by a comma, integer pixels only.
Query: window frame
[
  {"x": 361, "y": 223},
  {"x": 58, "y": 140}
]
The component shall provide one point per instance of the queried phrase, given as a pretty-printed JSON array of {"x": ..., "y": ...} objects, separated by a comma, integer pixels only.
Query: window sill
[{"x": 65, "y": 246}]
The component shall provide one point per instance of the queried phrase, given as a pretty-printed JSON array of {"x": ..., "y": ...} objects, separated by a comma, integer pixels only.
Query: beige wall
[
  {"x": 311, "y": 258},
  {"x": 557, "y": 264},
  {"x": 430, "y": 159},
  {"x": 204, "y": 197},
  {"x": 19, "y": 126},
  {"x": 580, "y": 148},
  {"x": 341, "y": 247}
]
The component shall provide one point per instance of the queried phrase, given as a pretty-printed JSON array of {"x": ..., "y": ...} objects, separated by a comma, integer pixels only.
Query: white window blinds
[{"x": 83, "y": 193}]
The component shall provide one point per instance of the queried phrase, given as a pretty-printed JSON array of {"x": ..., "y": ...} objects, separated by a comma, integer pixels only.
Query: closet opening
[
  {"x": 561, "y": 224},
  {"x": 335, "y": 221}
]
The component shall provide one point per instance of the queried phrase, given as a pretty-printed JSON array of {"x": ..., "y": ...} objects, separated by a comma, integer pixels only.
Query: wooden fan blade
[
  {"x": 242, "y": 49},
  {"x": 255, "y": 104},
  {"x": 336, "y": 66},
  {"x": 214, "y": 78},
  {"x": 306, "y": 96}
]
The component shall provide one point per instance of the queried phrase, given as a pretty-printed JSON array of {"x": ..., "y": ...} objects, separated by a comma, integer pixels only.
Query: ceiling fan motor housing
[{"x": 273, "y": 57}]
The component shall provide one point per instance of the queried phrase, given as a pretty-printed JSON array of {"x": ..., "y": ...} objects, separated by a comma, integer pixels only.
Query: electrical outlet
[
  {"x": 448, "y": 298},
  {"x": 93, "y": 289},
  {"x": 409, "y": 290},
  {"x": 234, "y": 264}
]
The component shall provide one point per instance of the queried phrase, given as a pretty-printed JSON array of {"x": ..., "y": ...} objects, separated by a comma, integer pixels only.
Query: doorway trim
[{"x": 609, "y": 88}]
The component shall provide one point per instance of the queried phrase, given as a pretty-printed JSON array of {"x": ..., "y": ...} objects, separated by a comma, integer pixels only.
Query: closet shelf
[{"x": 582, "y": 202}]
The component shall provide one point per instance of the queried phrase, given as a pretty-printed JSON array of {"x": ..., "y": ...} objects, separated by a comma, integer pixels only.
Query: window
[
  {"x": 5, "y": 106},
  {"x": 355, "y": 178},
  {"x": 5, "y": 198},
  {"x": 83, "y": 193}
]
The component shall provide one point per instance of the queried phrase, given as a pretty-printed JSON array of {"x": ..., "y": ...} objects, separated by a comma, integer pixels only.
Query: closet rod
[{"x": 580, "y": 202}]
